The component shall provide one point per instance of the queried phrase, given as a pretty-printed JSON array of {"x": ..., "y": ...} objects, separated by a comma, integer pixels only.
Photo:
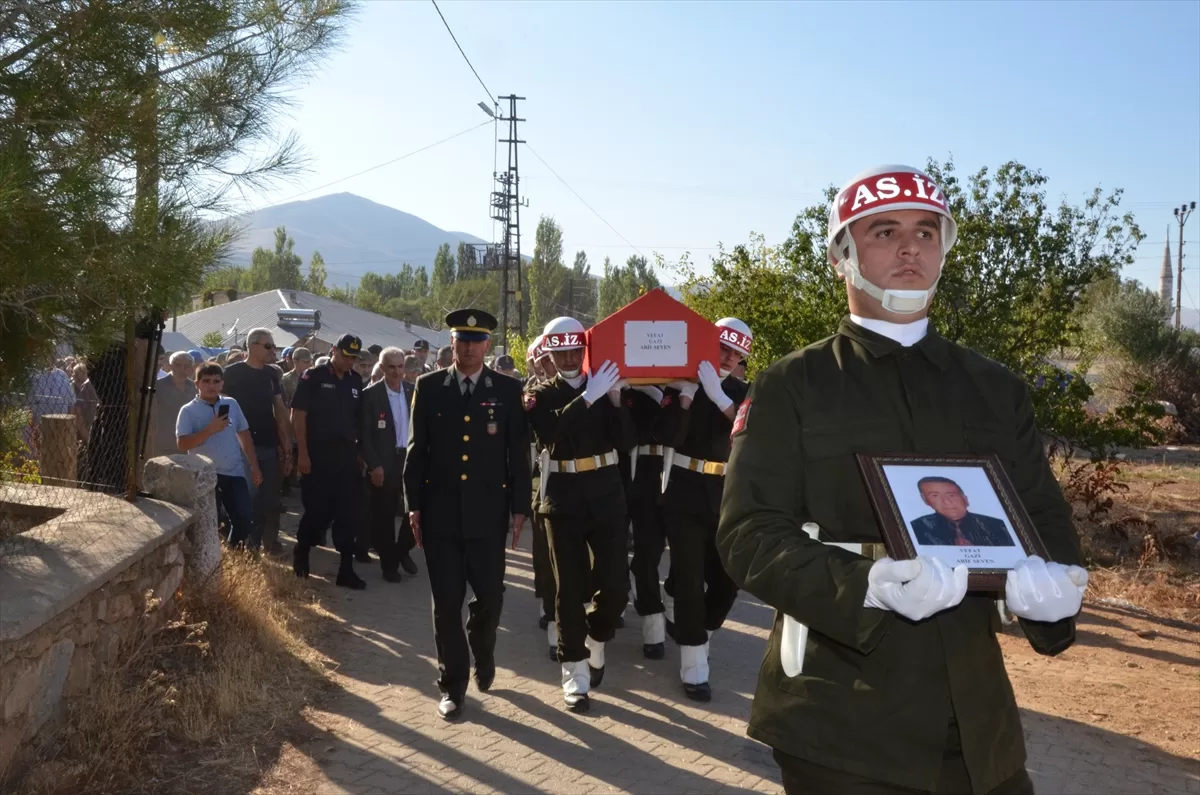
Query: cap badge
[{"x": 470, "y": 320}]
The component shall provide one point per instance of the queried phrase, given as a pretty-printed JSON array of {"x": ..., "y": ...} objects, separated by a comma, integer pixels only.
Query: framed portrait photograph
[{"x": 961, "y": 509}]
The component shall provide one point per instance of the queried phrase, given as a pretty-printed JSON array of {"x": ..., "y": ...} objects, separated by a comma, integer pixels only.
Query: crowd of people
[{"x": 900, "y": 685}]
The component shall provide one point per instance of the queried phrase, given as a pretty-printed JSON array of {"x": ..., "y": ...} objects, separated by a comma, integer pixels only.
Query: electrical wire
[
  {"x": 585, "y": 204},
  {"x": 488, "y": 93}
]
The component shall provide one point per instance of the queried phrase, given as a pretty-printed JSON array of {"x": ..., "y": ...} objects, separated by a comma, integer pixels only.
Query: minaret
[{"x": 1166, "y": 279}]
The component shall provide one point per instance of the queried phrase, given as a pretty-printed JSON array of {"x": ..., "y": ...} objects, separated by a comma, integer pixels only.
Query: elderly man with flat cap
[{"x": 466, "y": 474}]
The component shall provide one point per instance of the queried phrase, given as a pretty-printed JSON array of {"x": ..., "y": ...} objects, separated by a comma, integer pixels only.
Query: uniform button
[
  {"x": 464, "y": 457},
  {"x": 463, "y": 476},
  {"x": 467, "y": 418},
  {"x": 466, "y": 438}
]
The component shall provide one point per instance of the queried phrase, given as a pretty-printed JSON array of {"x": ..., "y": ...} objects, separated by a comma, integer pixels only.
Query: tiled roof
[{"x": 262, "y": 310}]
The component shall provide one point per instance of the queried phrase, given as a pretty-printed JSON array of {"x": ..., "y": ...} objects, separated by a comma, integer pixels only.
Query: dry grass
[
  {"x": 202, "y": 704},
  {"x": 1138, "y": 525}
]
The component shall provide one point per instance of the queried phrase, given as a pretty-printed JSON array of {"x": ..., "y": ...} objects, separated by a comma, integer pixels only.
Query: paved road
[{"x": 382, "y": 734}]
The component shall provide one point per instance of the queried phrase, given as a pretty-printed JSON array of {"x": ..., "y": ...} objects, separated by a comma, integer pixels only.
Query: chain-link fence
[{"x": 71, "y": 440}]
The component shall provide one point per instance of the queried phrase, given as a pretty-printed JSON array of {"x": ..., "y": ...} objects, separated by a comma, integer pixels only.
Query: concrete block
[
  {"x": 83, "y": 667},
  {"x": 170, "y": 584},
  {"x": 190, "y": 481},
  {"x": 53, "y": 676}
]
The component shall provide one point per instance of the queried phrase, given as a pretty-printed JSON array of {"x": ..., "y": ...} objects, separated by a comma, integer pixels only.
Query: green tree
[
  {"x": 344, "y": 294},
  {"x": 407, "y": 282},
  {"x": 124, "y": 127},
  {"x": 581, "y": 293},
  {"x": 421, "y": 284},
  {"x": 620, "y": 286},
  {"x": 469, "y": 266},
  {"x": 443, "y": 269},
  {"x": 315, "y": 281},
  {"x": 278, "y": 269},
  {"x": 546, "y": 275},
  {"x": 211, "y": 339},
  {"x": 1009, "y": 289}
]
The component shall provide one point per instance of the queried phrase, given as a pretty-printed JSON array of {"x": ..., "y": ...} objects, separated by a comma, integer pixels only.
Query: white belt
[
  {"x": 570, "y": 466},
  {"x": 640, "y": 450},
  {"x": 587, "y": 464}
]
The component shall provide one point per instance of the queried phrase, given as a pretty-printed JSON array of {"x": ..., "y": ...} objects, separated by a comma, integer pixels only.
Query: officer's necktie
[{"x": 467, "y": 387}]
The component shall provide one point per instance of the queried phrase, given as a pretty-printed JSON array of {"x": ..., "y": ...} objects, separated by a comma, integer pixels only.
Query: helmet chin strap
[{"x": 900, "y": 302}]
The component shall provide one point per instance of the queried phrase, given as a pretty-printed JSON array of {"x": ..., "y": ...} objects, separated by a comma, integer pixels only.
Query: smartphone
[{"x": 223, "y": 410}]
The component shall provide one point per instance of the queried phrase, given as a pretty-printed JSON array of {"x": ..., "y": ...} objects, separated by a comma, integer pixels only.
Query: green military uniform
[{"x": 878, "y": 692}]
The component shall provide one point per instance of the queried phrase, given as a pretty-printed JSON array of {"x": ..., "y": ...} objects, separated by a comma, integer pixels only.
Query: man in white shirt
[{"x": 384, "y": 439}]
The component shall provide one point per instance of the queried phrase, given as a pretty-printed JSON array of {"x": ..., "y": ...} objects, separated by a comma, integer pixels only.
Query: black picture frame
[{"x": 899, "y": 534}]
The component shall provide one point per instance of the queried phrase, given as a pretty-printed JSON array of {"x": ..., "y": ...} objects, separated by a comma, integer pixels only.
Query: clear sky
[{"x": 688, "y": 124}]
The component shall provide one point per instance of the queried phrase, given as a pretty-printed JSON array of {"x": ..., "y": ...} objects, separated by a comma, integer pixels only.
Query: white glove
[
  {"x": 686, "y": 389},
  {"x": 652, "y": 391},
  {"x": 916, "y": 589},
  {"x": 599, "y": 384},
  {"x": 712, "y": 386},
  {"x": 1041, "y": 591}
]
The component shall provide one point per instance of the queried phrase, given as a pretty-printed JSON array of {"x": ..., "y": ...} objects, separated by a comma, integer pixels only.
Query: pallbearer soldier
[
  {"x": 544, "y": 589},
  {"x": 649, "y": 532},
  {"x": 325, "y": 417},
  {"x": 580, "y": 424},
  {"x": 467, "y": 472},
  {"x": 695, "y": 421},
  {"x": 902, "y": 686}
]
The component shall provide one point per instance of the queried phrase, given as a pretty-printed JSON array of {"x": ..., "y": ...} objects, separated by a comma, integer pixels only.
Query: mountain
[{"x": 353, "y": 234}]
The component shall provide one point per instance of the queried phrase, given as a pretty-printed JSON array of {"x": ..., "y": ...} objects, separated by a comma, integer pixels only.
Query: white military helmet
[
  {"x": 736, "y": 334},
  {"x": 531, "y": 353},
  {"x": 884, "y": 189},
  {"x": 562, "y": 334}
]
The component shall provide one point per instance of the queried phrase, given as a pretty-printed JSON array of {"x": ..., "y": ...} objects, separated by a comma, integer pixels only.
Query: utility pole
[
  {"x": 506, "y": 208},
  {"x": 1182, "y": 213}
]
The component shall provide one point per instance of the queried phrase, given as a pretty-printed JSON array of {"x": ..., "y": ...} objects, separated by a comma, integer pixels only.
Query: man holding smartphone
[{"x": 215, "y": 426}]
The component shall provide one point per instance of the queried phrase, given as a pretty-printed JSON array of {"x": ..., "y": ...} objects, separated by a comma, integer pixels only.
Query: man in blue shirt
[{"x": 215, "y": 426}]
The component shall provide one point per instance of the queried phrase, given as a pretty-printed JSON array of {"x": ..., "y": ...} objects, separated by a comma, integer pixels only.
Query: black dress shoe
[
  {"x": 597, "y": 675},
  {"x": 391, "y": 576},
  {"x": 543, "y": 622},
  {"x": 484, "y": 678},
  {"x": 577, "y": 702},
  {"x": 300, "y": 560},
  {"x": 553, "y": 654},
  {"x": 348, "y": 579},
  {"x": 407, "y": 563},
  {"x": 362, "y": 557},
  {"x": 654, "y": 651},
  {"x": 700, "y": 692},
  {"x": 450, "y": 708}
]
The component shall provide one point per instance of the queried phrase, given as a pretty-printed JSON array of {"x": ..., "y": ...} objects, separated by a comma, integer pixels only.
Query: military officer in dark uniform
[
  {"x": 694, "y": 423},
  {"x": 643, "y": 493},
  {"x": 580, "y": 424},
  {"x": 467, "y": 472},
  {"x": 325, "y": 416},
  {"x": 901, "y": 687}
]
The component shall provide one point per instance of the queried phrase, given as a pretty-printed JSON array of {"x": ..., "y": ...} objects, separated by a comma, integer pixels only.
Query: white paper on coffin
[
  {"x": 656, "y": 343},
  {"x": 794, "y": 636}
]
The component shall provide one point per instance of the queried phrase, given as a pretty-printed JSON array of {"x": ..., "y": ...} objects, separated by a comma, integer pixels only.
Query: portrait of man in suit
[{"x": 952, "y": 523}]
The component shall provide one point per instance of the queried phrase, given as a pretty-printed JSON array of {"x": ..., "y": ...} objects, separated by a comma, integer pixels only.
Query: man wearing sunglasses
[{"x": 256, "y": 384}]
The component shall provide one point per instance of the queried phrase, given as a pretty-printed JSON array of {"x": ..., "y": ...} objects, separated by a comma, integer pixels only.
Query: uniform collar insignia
[{"x": 487, "y": 381}]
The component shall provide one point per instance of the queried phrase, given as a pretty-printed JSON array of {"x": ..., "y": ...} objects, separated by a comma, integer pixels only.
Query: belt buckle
[
  {"x": 585, "y": 464},
  {"x": 714, "y": 467},
  {"x": 695, "y": 465}
]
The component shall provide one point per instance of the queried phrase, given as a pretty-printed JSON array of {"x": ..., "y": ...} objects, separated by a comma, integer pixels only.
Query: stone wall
[
  {"x": 78, "y": 591},
  {"x": 61, "y": 658}
]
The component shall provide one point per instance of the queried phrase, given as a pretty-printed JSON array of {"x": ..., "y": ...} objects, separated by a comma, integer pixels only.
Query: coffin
[{"x": 654, "y": 340}]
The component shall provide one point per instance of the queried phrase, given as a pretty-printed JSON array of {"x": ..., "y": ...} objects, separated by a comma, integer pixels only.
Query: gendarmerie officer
[
  {"x": 467, "y": 472},
  {"x": 694, "y": 422},
  {"x": 325, "y": 418},
  {"x": 901, "y": 686},
  {"x": 644, "y": 492},
  {"x": 580, "y": 424},
  {"x": 383, "y": 439}
]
